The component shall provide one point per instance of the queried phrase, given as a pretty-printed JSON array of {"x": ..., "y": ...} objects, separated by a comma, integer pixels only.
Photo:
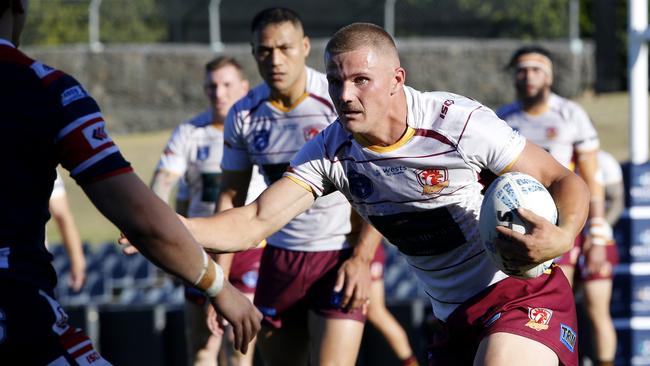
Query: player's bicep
[{"x": 539, "y": 164}]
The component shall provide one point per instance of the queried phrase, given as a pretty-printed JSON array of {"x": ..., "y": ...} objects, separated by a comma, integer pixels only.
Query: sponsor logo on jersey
[
  {"x": 96, "y": 135},
  {"x": 310, "y": 132},
  {"x": 445, "y": 108},
  {"x": 360, "y": 185},
  {"x": 72, "y": 94},
  {"x": 432, "y": 180},
  {"x": 551, "y": 132},
  {"x": 390, "y": 171},
  {"x": 261, "y": 139},
  {"x": 568, "y": 337},
  {"x": 41, "y": 70},
  {"x": 202, "y": 152},
  {"x": 539, "y": 318}
]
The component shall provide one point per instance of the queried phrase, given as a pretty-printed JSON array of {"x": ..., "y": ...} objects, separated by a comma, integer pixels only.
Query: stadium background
[{"x": 147, "y": 79}]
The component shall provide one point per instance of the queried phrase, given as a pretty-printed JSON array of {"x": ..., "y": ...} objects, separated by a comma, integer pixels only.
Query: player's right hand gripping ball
[{"x": 503, "y": 197}]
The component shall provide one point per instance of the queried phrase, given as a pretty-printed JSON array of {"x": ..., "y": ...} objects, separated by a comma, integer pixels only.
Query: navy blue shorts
[{"x": 34, "y": 330}]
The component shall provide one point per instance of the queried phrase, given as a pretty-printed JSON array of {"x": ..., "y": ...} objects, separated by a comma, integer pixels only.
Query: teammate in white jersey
[
  {"x": 194, "y": 153},
  {"x": 563, "y": 128},
  {"x": 409, "y": 163},
  {"x": 308, "y": 262}
]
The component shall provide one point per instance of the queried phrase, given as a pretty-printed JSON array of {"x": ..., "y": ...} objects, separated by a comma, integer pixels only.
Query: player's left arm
[
  {"x": 60, "y": 211},
  {"x": 353, "y": 278},
  {"x": 546, "y": 240}
]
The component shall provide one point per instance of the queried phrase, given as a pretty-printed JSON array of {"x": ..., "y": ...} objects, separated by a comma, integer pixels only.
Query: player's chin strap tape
[
  {"x": 600, "y": 231},
  {"x": 211, "y": 278}
]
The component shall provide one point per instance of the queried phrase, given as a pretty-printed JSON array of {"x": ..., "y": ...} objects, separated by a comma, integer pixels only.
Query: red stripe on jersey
[
  {"x": 82, "y": 350},
  {"x": 71, "y": 339},
  {"x": 434, "y": 135},
  {"x": 109, "y": 174},
  {"x": 324, "y": 101},
  {"x": 56, "y": 74},
  {"x": 13, "y": 55},
  {"x": 466, "y": 122}
]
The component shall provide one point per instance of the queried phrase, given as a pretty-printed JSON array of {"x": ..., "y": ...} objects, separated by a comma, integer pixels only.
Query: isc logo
[{"x": 445, "y": 108}]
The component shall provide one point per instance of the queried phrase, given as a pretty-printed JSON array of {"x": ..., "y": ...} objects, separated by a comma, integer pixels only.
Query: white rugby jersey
[
  {"x": 260, "y": 132},
  {"x": 194, "y": 151},
  {"x": 422, "y": 193},
  {"x": 609, "y": 169},
  {"x": 562, "y": 130}
]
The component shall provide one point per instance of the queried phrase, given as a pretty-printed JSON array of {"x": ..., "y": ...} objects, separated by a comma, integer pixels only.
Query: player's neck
[
  {"x": 295, "y": 92},
  {"x": 6, "y": 26},
  {"x": 536, "y": 106},
  {"x": 217, "y": 120}
]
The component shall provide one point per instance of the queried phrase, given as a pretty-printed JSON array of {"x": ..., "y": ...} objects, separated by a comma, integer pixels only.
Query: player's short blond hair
[{"x": 358, "y": 35}]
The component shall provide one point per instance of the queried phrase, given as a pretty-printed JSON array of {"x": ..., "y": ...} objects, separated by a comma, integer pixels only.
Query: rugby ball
[{"x": 502, "y": 198}]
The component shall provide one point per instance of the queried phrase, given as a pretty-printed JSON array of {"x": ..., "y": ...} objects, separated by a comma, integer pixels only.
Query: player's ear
[
  {"x": 306, "y": 44},
  {"x": 399, "y": 78}
]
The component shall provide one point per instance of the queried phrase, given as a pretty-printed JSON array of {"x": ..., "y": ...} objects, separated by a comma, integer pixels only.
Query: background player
[
  {"x": 381, "y": 318},
  {"x": 563, "y": 128},
  {"x": 194, "y": 153},
  {"x": 486, "y": 317},
  {"x": 60, "y": 211},
  {"x": 309, "y": 258},
  {"x": 64, "y": 125}
]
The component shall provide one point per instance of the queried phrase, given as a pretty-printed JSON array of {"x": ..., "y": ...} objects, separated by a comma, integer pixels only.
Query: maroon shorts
[
  {"x": 295, "y": 280},
  {"x": 244, "y": 269},
  {"x": 576, "y": 258},
  {"x": 377, "y": 263},
  {"x": 541, "y": 309}
]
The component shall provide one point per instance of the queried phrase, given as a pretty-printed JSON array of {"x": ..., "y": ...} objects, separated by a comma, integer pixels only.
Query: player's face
[
  {"x": 280, "y": 51},
  {"x": 532, "y": 81},
  {"x": 361, "y": 83},
  {"x": 224, "y": 87}
]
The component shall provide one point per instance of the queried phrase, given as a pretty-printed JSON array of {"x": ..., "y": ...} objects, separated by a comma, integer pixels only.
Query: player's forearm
[
  {"x": 366, "y": 246},
  {"x": 615, "y": 198},
  {"x": 71, "y": 239},
  {"x": 572, "y": 200},
  {"x": 233, "y": 230}
]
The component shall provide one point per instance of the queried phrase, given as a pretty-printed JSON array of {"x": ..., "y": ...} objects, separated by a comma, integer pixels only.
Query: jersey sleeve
[
  {"x": 235, "y": 153},
  {"x": 308, "y": 168},
  {"x": 588, "y": 137},
  {"x": 175, "y": 156},
  {"x": 83, "y": 145},
  {"x": 490, "y": 143}
]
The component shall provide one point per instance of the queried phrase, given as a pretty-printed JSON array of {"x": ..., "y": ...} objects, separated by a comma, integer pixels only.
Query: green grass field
[{"x": 608, "y": 111}]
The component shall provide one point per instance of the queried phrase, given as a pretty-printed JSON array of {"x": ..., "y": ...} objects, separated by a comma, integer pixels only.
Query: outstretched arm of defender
[{"x": 244, "y": 227}]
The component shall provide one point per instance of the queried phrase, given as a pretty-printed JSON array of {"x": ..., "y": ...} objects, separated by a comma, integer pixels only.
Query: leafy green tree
[{"x": 53, "y": 22}]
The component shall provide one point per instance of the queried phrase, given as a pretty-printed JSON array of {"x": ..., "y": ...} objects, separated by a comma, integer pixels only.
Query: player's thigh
[
  {"x": 335, "y": 341},
  {"x": 598, "y": 294},
  {"x": 500, "y": 349},
  {"x": 287, "y": 345},
  {"x": 377, "y": 305}
]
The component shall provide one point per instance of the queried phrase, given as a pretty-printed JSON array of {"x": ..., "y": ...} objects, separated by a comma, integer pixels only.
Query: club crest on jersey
[
  {"x": 96, "y": 135},
  {"x": 310, "y": 132},
  {"x": 360, "y": 185},
  {"x": 539, "y": 318},
  {"x": 432, "y": 180},
  {"x": 551, "y": 132},
  {"x": 202, "y": 152},
  {"x": 261, "y": 139}
]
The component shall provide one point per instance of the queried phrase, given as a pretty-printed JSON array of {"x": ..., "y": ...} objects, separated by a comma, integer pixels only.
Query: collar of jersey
[
  {"x": 5, "y": 42},
  {"x": 406, "y": 137},
  {"x": 291, "y": 107}
]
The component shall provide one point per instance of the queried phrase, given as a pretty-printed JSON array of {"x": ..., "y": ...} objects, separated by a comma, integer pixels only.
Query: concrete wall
[{"x": 151, "y": 87}]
